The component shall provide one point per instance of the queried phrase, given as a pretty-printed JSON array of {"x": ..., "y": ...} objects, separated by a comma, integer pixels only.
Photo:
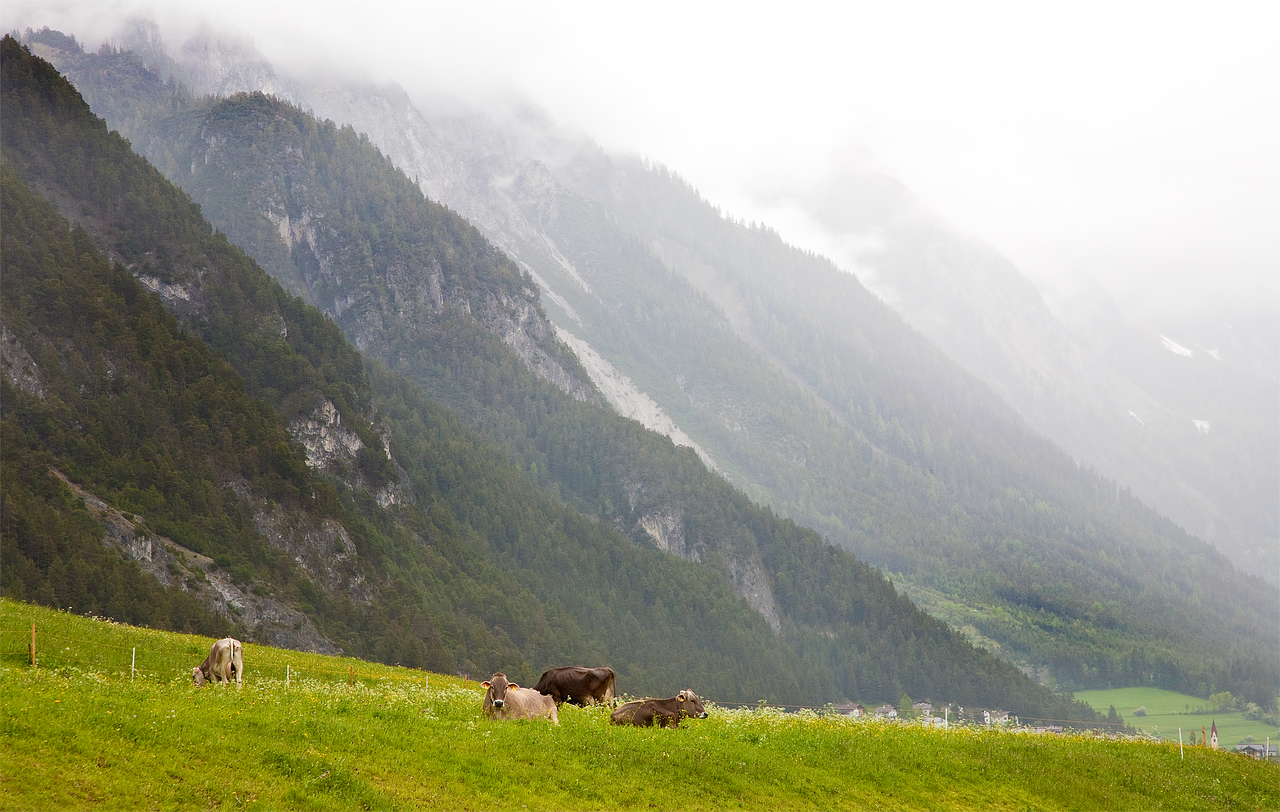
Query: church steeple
[{"x": 1213, "y": 735}]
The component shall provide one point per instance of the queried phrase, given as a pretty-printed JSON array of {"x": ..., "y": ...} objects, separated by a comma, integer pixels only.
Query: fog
[{"x": 1135, "y": 147}]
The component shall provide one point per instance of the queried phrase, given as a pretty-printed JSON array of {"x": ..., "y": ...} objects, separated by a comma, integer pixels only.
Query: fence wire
[{"x": 148, "y": 660}]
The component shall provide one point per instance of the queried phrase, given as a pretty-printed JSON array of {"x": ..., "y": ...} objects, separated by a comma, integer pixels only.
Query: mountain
[
  {"x": 792, "y": 379},
  {"x": 164, "y": 381},
  {"x": 1184, "y": 415}
]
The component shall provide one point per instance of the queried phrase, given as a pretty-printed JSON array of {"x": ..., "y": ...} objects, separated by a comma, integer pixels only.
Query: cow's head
[
  {"x": 496, "y": 695},
  {"x": 690, "y": 705},
  {"x": 197, "y": 676}
]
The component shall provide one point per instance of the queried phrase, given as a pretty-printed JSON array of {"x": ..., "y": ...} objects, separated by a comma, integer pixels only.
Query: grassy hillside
[{"x": 83, "y": 730}]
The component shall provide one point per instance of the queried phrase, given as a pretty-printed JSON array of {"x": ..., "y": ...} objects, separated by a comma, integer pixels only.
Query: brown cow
[
  {"x": 578, "y": 685},
  {"x": 507, "y": 700},
  {"x": 666, "y": 712},
  {"x": 226, "y": 659}
]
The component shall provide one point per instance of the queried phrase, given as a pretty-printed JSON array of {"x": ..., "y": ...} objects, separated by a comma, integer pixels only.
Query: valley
[{"x": 785, "y": 375}]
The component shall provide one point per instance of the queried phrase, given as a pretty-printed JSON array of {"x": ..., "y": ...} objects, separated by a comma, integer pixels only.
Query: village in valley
[{"x": 944, "y": 716}]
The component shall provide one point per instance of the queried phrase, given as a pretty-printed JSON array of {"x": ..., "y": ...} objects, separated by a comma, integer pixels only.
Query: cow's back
[
  {"x": 225, "y": 661},
  {"x": 624, "y": 714},
  {"x": 578, "y": 684},
  {"x": 636, "y": 712}
]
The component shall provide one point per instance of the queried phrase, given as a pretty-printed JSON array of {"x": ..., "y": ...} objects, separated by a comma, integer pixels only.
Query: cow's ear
[
  {"x": 512, "y": 685},
  {"x": 485, "y": 685},
  {"x": 680, "y": 696}
]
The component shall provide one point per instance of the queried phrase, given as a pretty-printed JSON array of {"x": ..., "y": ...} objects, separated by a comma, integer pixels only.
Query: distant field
[
  {"x": 1166, "y": 712},
  {"x": 1156, "y": 700},
  {"x": 109, "y": 719}
]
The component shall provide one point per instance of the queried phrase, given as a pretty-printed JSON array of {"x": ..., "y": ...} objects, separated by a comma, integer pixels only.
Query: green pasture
[
  {"x": 1168, "y": 710},
  {"x": 90, "y": 727}
]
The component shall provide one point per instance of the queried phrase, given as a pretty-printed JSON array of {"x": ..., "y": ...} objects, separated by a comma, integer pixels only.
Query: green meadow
[
  {"x": 108, "y": 719},
  {"x": 1168, "y": 710}
]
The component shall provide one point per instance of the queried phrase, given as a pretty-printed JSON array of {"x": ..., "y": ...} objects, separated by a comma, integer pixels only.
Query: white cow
[{"x": 226, "y": 659}]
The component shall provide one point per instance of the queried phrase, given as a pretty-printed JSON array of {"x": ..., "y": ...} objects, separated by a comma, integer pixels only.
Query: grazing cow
[
  {"x": 225, "y": 660},
  {"x": 507, "y": 700},
  {"x": 666, "y": 712},
  {"x": 577, "y": 685}
]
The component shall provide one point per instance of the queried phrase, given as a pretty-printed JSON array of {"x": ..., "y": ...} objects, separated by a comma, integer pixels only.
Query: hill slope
[{"x": 82, "y": 734}]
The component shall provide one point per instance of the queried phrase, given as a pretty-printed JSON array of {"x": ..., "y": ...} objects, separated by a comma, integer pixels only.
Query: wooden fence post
[
  {"x": 33, "y": 645},
  {"x": 352, "y": 675}
]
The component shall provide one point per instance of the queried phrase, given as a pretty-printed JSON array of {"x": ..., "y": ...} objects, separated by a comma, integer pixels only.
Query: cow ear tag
[
  {"x": 512, "y": 685},
  {"x": 681, "y": 697},
  {"x": 485, "y": 685}
]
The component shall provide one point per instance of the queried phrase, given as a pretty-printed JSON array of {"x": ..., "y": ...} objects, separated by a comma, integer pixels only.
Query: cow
[
  {"x": 226, "y": 659},
  {"x": 507, "y": 700},
  {"x": 578, "y": 685},
  {"x": 666, "y": 712}
]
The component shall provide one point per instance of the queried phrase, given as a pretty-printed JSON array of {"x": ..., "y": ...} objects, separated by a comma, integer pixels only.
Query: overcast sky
[{"x": 1137, "y": 144}]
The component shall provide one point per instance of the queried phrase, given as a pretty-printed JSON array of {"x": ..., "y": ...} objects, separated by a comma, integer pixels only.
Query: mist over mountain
[
  {"x": 787, "y": 374},
  {"x": 1184, "y": 413}
]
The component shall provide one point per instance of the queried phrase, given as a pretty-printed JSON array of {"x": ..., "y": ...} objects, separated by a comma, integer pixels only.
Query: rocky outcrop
[
  {"x": 324, "y": 437},
  {"x": 666, "y": 528},
  {"x": 321, "y": 549},
  {"x": 18, "y": 367},
  {"x": 266, "y": 620},
  {"x": 742, "y": 568},
  {"x": 528, "y": 333},
  {"x": 749, "y": 580}
]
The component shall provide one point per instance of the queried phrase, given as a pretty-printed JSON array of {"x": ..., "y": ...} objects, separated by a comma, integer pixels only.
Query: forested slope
[
  {"x": 460, "y": 562},
  {"x": 857, "y": 426}
]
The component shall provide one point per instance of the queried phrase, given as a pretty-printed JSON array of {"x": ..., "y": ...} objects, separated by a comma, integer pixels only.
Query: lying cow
[
  {"x": 666, "y": 712},
  {"x": 225, "y": 660},
  {"x": 577, "y": 685},
  {"x": 507, "y": 700}
]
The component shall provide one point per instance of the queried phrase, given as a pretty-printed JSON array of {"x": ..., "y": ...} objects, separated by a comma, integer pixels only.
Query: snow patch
[
  {"x": 1135, "y": 417},
  {"x": 1202, "y": 426},
  {"x": 1175, "y": 348}
]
